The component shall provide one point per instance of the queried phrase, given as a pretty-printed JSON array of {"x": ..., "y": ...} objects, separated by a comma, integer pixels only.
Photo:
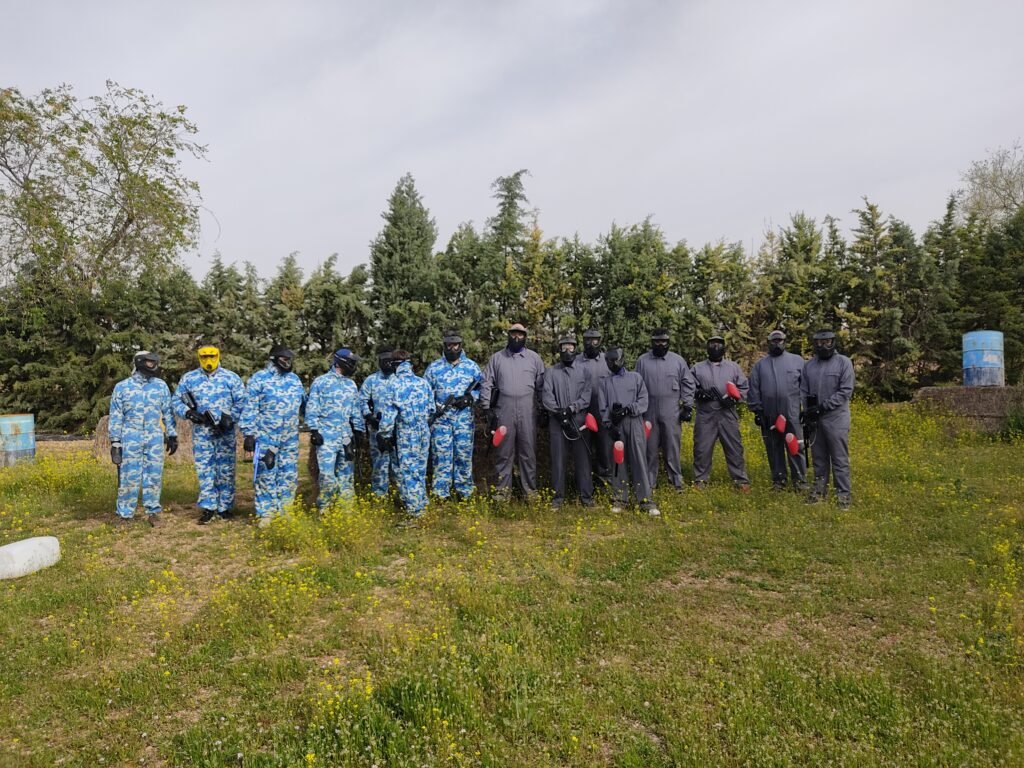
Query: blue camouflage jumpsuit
[
  {"x": 218, "y": 392},
  {"x": 409, "y": 402},
  {"x": 333, "y": 409},
  {"x": 140, "y": 412},
  {"x": 271, "y": 414},
  {"x": 451, "y": 439},
  {"x": 384, "y": 466}
]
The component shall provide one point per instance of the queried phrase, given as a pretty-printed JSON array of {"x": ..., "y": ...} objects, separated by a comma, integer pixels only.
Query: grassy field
[{"x": 735, "y": 630}]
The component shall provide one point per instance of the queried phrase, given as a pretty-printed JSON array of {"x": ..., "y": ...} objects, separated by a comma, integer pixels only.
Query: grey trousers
[
  {"x": 519, "y": 445},
  {"x": 718, "y": 425},
  {"x": 831, "y": 453},
  {"x": 632, "y": 471},
  {"x": 561, "y": 449},
  {"x": 666, "y": 433},
  {"x": 779, "y": 458}
]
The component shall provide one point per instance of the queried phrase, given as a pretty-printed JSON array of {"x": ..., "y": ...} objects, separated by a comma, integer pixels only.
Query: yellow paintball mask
[{"x": 209, "y": 358}]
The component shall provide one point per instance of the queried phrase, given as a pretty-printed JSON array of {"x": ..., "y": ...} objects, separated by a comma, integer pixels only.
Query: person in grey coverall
[
  {"x": 826, "y": 387},
  {"x": 592, "y": 362},
  {"x": 670, "y": 388},
  {"x": 566, "y": 399},
  {"x": 623, "y": 402},
  {"x": 717, "y": 420},
  {"x": 512, "y": 381},
  {"x": 775, "y": 391}
]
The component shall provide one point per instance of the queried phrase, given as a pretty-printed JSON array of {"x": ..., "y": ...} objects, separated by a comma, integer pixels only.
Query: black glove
[
  {"x": 374, "y": 420},
  {"x": 249, "y": 443},
  {"x": 565, "y": 415},
  {"x": 172, "y": 444},
  {"x": 350, "y": 451},
  {"x": 226, "y": 423},
  {"x": 463, "y": 401},
  {"x": 811, "y": 415},
  {"x": 315, "y": 438},
  {"x": 116, "y": 453},
  {"x": 269, "y": 459},
  {"x": 194, "y": 416},
  {"x": 492, "y": 422},
  {"x": 685, "y": 413},
  {"x": 726, "y": 401},
  {"x": 618, "y": 413},
  {"x": 383, "y": 443},
  {"x": 704, "y": 396},
  {"x": 759, "y": 418}
]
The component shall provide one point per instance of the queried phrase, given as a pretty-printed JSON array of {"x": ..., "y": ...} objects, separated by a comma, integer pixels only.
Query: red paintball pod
[
  {"x": 647, "y": 429},
  {"x": 792, "y": 444},
  {"x": 619, "y": 452},
  {"x": 499, "y": 435},
  {"x": 780, "y": 423},
  {"x": 590, "y": 422},
  {"x": 733, "y": 391}
]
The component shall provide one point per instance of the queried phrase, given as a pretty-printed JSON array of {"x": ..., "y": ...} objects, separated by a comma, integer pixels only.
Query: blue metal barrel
[
  {"x": 17, "y": 438},
  {"x": 983, "y": 359}
]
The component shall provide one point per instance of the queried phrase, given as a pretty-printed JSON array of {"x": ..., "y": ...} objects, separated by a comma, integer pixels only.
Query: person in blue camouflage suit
[
  {"x": 141, "y": 424},
  {"x": 406, "y": 411},
  {"x": 455, "y": 380},
  {"x": 333, "y": 414},
  {"x": 212, "y": 398},
  {"x": 372, "y": 395},
  {"x": 270, "y": 422}
]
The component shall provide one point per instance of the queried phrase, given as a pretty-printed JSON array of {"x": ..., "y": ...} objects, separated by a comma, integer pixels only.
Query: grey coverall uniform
[
  {"x": 628, "y": 390},
  {"x": 716, "y": 421},
  {"x": 775, "y": 390},
  {"x": 568, "y": 386},
  {"x": 518, "y": 378},
  {"x": 600, "y": 443},
  {"x": 831, "y": 381},
  {"x": 670, "y": 385}
]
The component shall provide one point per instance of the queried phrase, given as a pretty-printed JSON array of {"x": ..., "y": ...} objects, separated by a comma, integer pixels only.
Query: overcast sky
[{"x": 716, "y": 118}]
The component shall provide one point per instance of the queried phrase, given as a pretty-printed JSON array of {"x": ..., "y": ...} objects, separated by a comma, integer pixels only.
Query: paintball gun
[
  {"x": 457, "y": 403},
  {"x": 193, "y": 410}
]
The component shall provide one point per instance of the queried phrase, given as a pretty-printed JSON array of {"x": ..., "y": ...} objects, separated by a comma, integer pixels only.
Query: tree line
[{"x": 95, "y": 213}]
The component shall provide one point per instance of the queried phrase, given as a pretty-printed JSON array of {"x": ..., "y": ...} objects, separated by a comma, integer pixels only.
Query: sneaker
[
  {"x": 743, "y": 487},
  {"x": 654, "y": 512},
  {"x": 227, "y": 514},
  {"x": 555, "y": 506},
  {"x": 843, "y": 502},
  {"x": 777, "y": 486},
  {"x": 802, "y": 487},
  {"x": 814, "y": 497},
  {"x": 501, "y": 495},
  {"x": 616, "y": 509},
  {"x": 207, "y": 516},
  {"x": 699, "y": 485},
  {"x": 588, "y": 504},
  {"x": 154, "y": 520},
  {"x": 123, "y": 523}
]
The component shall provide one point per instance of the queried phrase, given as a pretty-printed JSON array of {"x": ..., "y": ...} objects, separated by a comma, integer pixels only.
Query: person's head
[
  {"x": 615, "y": 359},
  {"x": 282, "y": 358},
  {"x": 592, "y": 343},
  {"x": 384, "y": 360},
  {"x": 716, "y": 348},
  {"x": 659, "y": 342},
  {"x": 345, "y": 361},
  {"x": 451, "y": 346},
  {"x": 147, "y": 363},
  {"x": 824, "y": 344},
  {"x": 209, "y": 358},
  {"x": 567, "y": 350},
  {"x": 398, "y": 357},
  {"x": 516, "y": 337},
  {"x": 776, "y": 343}
]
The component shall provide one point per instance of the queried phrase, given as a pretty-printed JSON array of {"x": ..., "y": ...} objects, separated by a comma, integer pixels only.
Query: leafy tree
[{"x": 995, "y": 185}]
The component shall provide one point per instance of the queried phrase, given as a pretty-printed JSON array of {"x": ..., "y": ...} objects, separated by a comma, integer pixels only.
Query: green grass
[{"x": 736, "y": 630}]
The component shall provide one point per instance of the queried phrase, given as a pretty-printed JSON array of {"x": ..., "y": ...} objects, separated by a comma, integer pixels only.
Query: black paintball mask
[
  {"x": 452, "y": 346},
  {"x": 776, "y": 343},
  {"x": 659, "y": 342},
  {"x": 567, "y": 350},
  {"x": 516, "y": 338},
  {"x": 824, "y": 344},
  {"x": 716, "y": 349},
  {"x": 592, "y": 344},
  {"x": 147, "y": 363},
  {"x": 346, "y": 361},
  {"x": 615, "y": 359},
  {"x": 384, "y": 361},
  {"x": 282, "y": 358}
]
